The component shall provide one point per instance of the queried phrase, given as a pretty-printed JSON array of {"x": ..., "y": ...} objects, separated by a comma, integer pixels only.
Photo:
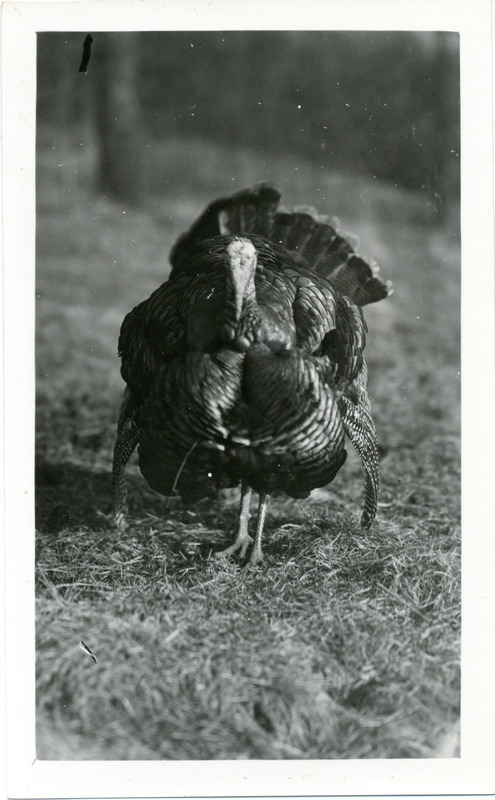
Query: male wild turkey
[{"x": 246, "y": 366}]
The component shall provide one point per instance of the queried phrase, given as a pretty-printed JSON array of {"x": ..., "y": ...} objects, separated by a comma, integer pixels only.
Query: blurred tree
[
  {"x": 58, "y": 58},
  {"x": 117, "y": 118}
]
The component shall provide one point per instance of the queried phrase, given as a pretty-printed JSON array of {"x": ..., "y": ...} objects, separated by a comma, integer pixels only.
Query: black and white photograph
[
  {"x": 246, "y": 394},
  {"x": 226, "y": 167}
]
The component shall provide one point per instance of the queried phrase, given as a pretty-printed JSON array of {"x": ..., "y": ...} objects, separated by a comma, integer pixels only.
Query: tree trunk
[{"x": 117, "y": 121}]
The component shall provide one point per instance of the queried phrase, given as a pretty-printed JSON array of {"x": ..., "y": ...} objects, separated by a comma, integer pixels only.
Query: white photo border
[{"x": 474, "y": 771}]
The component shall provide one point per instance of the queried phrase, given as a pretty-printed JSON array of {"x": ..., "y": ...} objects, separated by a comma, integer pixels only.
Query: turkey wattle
[{"x": 246, "y": 366}]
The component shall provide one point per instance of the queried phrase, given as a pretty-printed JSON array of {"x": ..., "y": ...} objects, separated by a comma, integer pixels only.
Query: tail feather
[
  {"x": 301, "y": 233},
  {"x": 251, "y": 211},
  {"x": 248, "y": 211},
  {"x": 355, "y": 279},
  {"x": 318, "y": 245}
]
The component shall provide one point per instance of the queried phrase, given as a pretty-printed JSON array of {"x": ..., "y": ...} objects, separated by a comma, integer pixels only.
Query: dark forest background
[{"x": 383, "y": 105}]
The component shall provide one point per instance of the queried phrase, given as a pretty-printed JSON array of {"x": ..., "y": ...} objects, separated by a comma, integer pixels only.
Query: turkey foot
[
  {"x": 242, "y": 542},
  {"x": 120, "y": 519}
]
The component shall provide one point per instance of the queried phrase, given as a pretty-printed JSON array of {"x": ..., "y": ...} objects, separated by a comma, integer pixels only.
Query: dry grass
[{"x": 342, "y": 644}]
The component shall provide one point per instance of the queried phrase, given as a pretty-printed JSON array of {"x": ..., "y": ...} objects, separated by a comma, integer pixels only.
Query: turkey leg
[
  {"x": 243, "y": 539},
  {"x": 257, "y": 555}
]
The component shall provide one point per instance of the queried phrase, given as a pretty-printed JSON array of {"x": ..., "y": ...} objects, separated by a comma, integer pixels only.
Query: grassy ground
[{"x": 342, "y": 644}]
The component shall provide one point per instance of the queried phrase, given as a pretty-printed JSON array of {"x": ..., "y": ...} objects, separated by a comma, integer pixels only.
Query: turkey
[{"x": 246, "y": 366}]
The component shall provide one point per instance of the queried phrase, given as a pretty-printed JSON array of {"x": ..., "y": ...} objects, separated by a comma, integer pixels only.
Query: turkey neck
[{"x": 242, "y": 317}]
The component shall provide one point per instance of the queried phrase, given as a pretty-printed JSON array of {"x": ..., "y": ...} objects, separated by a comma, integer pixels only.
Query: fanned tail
[{"x": 312, "y": 240}]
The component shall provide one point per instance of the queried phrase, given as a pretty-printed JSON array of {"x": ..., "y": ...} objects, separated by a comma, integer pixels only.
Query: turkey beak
[{"x": 241, "y": 265}]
